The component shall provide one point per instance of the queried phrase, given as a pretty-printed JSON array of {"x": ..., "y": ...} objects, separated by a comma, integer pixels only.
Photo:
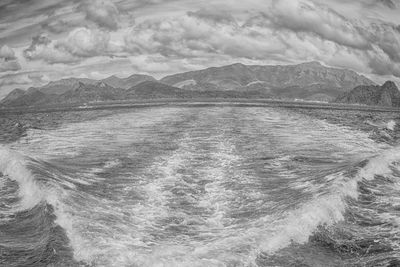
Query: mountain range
[{"x": 308, "y": 81}]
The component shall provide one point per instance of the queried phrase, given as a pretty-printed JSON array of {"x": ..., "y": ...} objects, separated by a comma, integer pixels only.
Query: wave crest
[{"x": 13, "y": 166}]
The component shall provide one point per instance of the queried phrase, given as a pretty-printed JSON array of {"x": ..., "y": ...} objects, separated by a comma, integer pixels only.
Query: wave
[
  {"x": 327, "y": 209},
  {"x": 13, "y": 166},
  {"x": 295, "y": 226},
  {"x": 30, "y": 209}
]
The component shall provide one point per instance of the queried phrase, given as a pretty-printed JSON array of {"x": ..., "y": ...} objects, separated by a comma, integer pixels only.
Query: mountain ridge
[{"x": 304, "y": 80}]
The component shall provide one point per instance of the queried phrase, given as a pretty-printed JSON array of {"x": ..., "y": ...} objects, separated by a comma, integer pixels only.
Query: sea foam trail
[
  {"x": 13, "y": 166},
  {"x": 200, "y": 190}
]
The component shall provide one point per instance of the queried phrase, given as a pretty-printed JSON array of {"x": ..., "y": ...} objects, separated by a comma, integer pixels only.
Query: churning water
[{"x": 211, "y": 186}]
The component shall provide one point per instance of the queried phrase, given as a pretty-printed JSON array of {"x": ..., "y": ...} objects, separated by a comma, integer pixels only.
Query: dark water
[{"x": 222, "y": 186}]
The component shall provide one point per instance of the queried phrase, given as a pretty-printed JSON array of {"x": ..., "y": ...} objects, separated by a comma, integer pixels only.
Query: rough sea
[{"x": 199, "y": 186}]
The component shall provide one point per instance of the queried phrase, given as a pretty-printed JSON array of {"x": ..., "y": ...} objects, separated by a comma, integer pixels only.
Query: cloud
[
  {"x": 102, "y": 12},
  {"x": 388, "y": 3},
  {"x": 79, "y": 44},
  {"x": 312, "y": 18},
  {"x": 8, "y": 61},
  {"x": 9, "y": 66},
  {"x": 38, "y": 78},
  {"x": 60, "y": 23},
  {"x": 43, "y": 48},
  {"x": 381, "y": 64},
  {"x": 84, "y": 42},
  {"x": 387, "y": 37},
  {"x": 194, "y": 36},
  {"x": 213, "y": 15},
  {"x": 7, "y": 53}
]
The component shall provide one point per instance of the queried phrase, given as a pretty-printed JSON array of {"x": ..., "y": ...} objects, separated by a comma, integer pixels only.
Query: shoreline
[{"x": 197, "y": 103}]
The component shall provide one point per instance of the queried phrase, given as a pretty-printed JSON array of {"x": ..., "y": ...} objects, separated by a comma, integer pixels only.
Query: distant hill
[
  {"x": 61, "y": 86},
  {"x": 305, "y": 81},
  {"x": 152, "y": 89},
  {"x": 91, "y": 92},
  {"x": 128, "y": 82},
  {"x": 386, "y": 95},
  {"x": 30, "y": 97},
  {"x": 157, "y": 90},
  {"x": 12, "y": 96},
  {"x": 81, "y": 93}
]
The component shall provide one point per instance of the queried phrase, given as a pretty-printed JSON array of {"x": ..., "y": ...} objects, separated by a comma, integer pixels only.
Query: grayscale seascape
[{"x": 188, "y": 133}]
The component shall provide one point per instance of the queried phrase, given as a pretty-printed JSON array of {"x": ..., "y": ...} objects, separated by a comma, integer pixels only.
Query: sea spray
[
  {"x": 328, "y": 209},
  {"x": 390, "y": 125},
  {"x": 13, "y": 166}
]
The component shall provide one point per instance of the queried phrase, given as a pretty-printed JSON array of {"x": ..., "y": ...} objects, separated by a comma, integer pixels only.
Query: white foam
[
  {"x": 298, "y": 225},
  {"x": 381, "y": 164},
  {"x": 13, "y": 166},
  {"x": 112, "y": 163},
  {"x": 390, "y": 125}
]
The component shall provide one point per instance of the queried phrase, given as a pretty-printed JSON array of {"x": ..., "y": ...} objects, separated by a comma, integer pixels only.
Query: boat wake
[{"x": 184, "y": 191}]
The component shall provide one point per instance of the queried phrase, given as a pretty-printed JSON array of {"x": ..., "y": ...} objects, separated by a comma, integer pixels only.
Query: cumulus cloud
[
  {"x": 80, "y": 43},
  {"x": 38, "y": 78},
  {"x": 43, "y": 48},
  {"x": 102, "y": 12},
  {"x": 7, "y": 53},
  {"x": 84, "y": 42},
  {"x": 8, "y": 61}
]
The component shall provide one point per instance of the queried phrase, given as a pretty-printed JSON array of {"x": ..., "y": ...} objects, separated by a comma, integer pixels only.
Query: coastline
[{"x": 196, "y": 102}]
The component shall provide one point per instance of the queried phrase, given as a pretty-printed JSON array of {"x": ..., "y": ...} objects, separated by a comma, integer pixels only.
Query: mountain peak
[
  {"x": 389, "y": 84},
  {"x": 101, "y": 84},
  {"x": 238, "y": 64},
  {"x": 386, "y": 95}
]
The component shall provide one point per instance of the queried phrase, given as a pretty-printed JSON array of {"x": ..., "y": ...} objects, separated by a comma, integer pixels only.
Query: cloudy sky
[{"x": 44, "y": 40}]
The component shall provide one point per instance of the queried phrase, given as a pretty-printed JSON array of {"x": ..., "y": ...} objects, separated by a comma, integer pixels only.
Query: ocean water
[{"x": 199, "y": 186}]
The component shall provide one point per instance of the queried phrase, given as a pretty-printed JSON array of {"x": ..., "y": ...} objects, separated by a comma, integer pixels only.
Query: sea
[{"x": 198, "y": 186}]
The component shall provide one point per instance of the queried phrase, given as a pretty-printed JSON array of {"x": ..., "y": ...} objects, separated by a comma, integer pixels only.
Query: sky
[{"x": 45, "y": 40}]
